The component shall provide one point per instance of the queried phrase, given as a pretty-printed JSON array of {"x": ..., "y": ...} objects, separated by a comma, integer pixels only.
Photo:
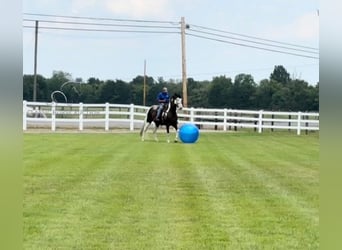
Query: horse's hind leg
[
  {"x": 177, "y": 131},
  {"x": 168, "y": 134},
  {"x": 176, "y": 138},
  {"x": 155, "y": 133}
]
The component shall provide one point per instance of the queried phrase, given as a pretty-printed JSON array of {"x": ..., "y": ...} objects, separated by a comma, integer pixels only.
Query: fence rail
[{"x": 106, "y": 116}]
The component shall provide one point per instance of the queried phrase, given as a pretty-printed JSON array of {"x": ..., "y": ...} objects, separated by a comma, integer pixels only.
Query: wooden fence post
[
  {"x": 131, "y": 117},
  {"x": 107, "y": 116},
  {"x": 260, "y": 121},
  {"x": 53, "y": 116},
  {"x": 225, "y": 119},
  {"x": 80, "y": 111},
  {"x": 298, "y": 122},
  {"x": 192, "y": 112}
]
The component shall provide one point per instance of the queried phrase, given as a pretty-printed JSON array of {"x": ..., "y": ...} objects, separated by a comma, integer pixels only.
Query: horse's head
[{"x": 177, "y": 101}]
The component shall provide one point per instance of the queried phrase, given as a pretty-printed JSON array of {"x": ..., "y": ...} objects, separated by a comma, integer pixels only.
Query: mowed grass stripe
[
  {"x": 267, "y": 197},
  {"x": 64, "y": 187},
  {"x": 147, "y": 195}
]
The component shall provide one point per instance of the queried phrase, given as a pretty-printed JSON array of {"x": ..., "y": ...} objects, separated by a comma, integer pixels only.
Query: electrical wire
[
  {"x": 101, "y": 30},
  {"x": 195, "y": 31},
  {"x": 100, "y": 18},
  {"x": 102, "y": 24},
  {"x": 251, "y": 46},
  {"x": 253, "y": 37},
  {"x": 254, "y": 42}
]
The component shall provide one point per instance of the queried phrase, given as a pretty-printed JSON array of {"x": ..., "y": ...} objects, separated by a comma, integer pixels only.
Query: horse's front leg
[{"x": 155, "y": 133}]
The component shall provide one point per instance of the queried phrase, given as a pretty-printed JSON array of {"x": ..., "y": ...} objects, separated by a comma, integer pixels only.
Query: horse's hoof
[{"x": 175, "y": 141}]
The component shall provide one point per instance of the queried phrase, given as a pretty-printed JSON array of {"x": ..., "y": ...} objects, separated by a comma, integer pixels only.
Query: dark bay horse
[{"x": 169, "y": 119}]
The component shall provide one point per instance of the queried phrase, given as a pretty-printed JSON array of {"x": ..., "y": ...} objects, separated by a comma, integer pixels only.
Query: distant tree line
[{"x": 278, "y": 93}]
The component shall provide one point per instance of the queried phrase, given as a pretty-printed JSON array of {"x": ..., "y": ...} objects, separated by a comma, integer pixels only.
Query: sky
[{"x": 223, "y": 38}]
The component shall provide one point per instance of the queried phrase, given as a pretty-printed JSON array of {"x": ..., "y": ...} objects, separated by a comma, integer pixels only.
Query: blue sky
[{"x": 118, "y": 55}]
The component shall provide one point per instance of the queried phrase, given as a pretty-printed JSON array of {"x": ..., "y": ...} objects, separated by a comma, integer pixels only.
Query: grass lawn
[{"x": 226, "y": 191}]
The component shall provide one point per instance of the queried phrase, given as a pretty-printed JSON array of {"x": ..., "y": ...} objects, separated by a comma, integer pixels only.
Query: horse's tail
[{"x": 145, "y": 120}]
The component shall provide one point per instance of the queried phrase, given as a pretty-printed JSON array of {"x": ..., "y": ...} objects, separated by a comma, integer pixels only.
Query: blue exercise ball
[{"x": 188, "y": 133}]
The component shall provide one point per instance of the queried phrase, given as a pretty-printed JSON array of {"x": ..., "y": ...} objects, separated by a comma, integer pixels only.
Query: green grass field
[{"x": 227, "y": 191}]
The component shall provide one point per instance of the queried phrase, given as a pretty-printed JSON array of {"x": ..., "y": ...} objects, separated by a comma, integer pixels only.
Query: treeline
[{"x": 278, "y": 93}]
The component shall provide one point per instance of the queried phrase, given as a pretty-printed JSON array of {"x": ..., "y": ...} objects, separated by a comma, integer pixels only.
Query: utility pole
[
  {"x": 184, "y": 79},
  {"x": 144, "y": 83},
  {"x": 35, "y": 64}
]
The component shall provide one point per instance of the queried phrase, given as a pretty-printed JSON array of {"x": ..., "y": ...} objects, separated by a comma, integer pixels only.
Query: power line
[
  {"x": 101, "y": 30},
  {"x": 251, "y": 46},
  {"x": 102, "y": 24},
  {"x": 250, "y": 41},
  {"x": 253, "y": 37},
  {"x": 101, "y": 18}
]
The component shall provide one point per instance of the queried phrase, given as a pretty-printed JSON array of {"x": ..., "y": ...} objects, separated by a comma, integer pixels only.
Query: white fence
[{"x": 111, "y": 116}]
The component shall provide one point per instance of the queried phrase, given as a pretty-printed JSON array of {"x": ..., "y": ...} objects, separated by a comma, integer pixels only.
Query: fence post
[
  {"x": 260, "y": 121},
  {"x": 131, "y": 117},
  {"x": 225, "y": 119},
  {"x": 192, "y": 111},
  {"x": 229, "y": 113},
  {"x": 106, "y": 116},
  {"x": 53, "y": 116},
  {"x": 24, "y": 115},
  {"x": 80, "y": 110},
  {"x": 298, "y": 122}
]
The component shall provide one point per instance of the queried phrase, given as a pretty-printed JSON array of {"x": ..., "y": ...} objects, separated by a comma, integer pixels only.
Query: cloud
[
  {"x": 80, "y": 5},
  {"x": 304, "y": 28},
  {"x": 307, "y": 26},
  {"x": 139, "y": 8}
]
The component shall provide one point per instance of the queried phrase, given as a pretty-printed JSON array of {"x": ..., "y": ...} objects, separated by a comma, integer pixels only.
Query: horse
[{"x": 169, "y": 118}]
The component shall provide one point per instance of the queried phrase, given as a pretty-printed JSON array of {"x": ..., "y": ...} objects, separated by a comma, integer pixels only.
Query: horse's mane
[{"x": 175, "y": 95}]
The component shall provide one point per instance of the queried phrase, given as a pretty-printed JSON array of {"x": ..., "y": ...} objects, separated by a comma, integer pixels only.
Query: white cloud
[
  {"x": 307, "y": 26},
  {"x": 139, "y": 8}
]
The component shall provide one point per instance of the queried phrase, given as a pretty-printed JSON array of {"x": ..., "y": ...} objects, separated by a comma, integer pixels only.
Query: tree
[
  {"x": 115, "y": 92},
  {"x": 243, "y": 92},
  {"x": 281, "y": 100},
  {"x": 42, "y": 88},
  {"x": 197, "y": 94},
  {"x": 264, "y": 94},
  {"x": 93, "y": 81},
  {"x": 280, "y": 75},
  {"x": 314, "y": 97},
  {"x": 218, "y": 92}
]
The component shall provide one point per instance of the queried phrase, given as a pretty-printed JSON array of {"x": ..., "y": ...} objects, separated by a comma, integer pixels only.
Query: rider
[{"x": 163, "y": 99}]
